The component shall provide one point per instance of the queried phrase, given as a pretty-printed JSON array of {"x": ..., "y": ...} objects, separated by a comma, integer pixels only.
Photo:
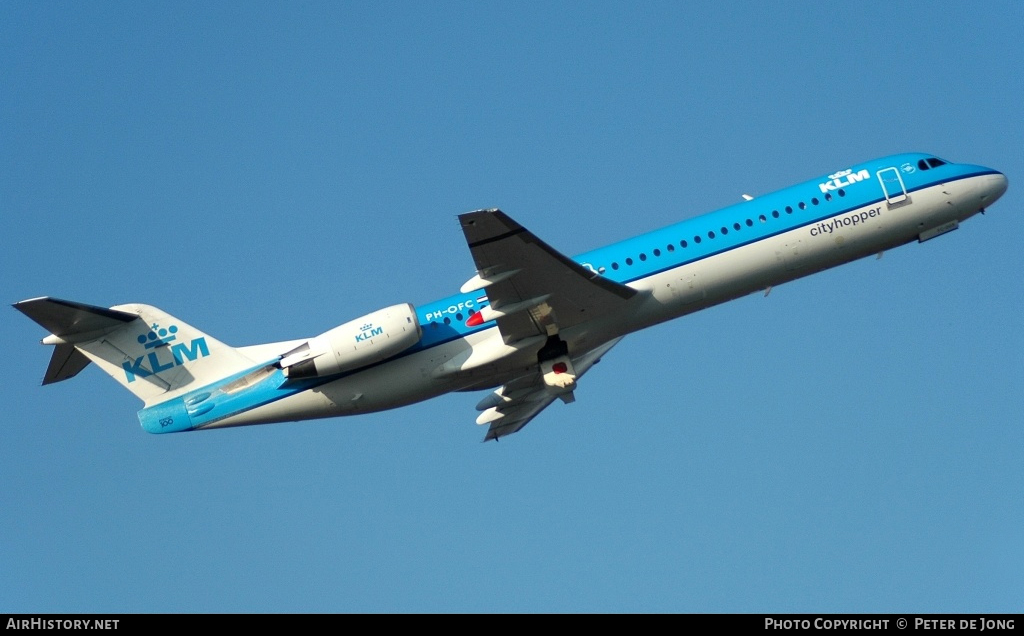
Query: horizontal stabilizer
[
  {"x": 151, "y": 353},
  {"x": 67, "y": 319},
  {"x": 65, "y": 363}
]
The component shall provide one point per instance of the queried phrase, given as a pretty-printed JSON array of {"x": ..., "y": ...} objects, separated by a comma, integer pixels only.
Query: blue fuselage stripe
[
  {"x": 437, "y": 333},
  {"x": 857, "y": 197}
]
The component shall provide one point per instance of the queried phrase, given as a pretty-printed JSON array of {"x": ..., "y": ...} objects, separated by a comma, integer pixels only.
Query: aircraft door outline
[{"x": 892, "y": 185}]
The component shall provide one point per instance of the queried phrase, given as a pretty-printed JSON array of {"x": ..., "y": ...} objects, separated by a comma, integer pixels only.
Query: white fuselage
[{"x": 663, "y": 296}]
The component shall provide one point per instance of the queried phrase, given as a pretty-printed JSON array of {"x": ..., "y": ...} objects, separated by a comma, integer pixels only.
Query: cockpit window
[
  {"x": 922, "y": 165},
  {"x": 935, "y": 163}
]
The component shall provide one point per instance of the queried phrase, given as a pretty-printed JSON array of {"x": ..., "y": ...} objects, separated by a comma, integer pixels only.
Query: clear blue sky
[{"x": 266, "y": 171}]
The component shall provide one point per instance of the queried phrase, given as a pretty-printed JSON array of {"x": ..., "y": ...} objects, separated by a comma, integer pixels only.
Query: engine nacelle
[{"x": 355, "y": 344}]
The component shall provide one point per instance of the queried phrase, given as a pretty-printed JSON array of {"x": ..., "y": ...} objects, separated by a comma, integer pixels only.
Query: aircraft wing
[
  {"x": 532, "y": 288},
  {"x": 521, "y": 400}
]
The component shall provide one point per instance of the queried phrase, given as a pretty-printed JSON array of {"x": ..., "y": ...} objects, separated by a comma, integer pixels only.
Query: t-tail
[{"x": 151, "y": 353}]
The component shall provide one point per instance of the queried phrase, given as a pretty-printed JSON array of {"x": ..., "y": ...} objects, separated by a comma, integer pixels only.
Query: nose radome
[{"x": 996, "y": 187}]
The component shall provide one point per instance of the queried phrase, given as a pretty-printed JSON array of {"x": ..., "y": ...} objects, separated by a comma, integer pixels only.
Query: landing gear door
[{"x": 892, "y": 185}]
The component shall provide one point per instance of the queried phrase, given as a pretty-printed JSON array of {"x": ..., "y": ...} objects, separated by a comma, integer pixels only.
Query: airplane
[{"x": 530, "y": 323}]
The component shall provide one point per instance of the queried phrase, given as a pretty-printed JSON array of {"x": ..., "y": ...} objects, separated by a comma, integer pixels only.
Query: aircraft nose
[{"x": 994, "y": 187}]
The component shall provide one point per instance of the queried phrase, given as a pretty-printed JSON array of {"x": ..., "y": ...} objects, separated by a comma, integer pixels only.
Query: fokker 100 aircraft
[{"x": 530, "y": 323}]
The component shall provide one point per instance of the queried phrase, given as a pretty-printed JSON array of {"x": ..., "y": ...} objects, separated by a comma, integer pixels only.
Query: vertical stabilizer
[{"x": 151, "y": 353}]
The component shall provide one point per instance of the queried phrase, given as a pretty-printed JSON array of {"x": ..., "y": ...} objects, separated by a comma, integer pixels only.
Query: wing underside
[
  {"x": 533, "y": 288},
  {"x": 535, "y": 292},
  {"x": 522, "y": 399}
]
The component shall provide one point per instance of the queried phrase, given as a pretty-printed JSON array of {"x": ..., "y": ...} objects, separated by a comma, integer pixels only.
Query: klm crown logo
[
  {"x": 368, "y": 331},
  {"x": 842, "y": 179},
  {"x": 158, "y": 341},
  {"x": 158, "y": 336}
]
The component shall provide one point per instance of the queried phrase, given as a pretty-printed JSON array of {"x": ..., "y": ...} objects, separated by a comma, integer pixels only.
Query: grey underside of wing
[
  {"x": 575, "y": 293},
  {"x": 66, "y": 362},
  {"x": 531, "y": 396}
]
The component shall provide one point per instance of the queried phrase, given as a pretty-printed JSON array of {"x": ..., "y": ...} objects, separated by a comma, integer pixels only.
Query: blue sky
[{"x": 266, "y": 171}]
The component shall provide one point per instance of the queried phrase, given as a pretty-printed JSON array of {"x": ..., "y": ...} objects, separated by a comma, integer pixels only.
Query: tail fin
[{"x": 152, "y": 354}]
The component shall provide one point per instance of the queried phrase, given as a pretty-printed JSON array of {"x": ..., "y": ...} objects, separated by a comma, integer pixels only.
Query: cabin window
[
  {"x": 629, "y": 261},
  {"x": 749, "y": 223},
  {"x": 711, "y": 234},
  {"x": 643, "y": 256},
  {"x": 762, "y": 219},
  {"x": 736, "y": 226},
  {"x": 447, "y": 320},
  {"x": 657, "y": 252},
  {"x": 841, "y": 192},
  {"x": 615, "y": 266},
  {"x": 458, "y": 317},
  {"x": 696, "y": 239},
  {"x": 775, "y": 213},
  {"x": 671, "y": 247},
  {"x": 828, "y": 197},
  {"x": 725, "y": 231},
  {"x": 682, "y": 243},
  {"x": 814, "y": 201},
  {"x": 803, "y": 206}
]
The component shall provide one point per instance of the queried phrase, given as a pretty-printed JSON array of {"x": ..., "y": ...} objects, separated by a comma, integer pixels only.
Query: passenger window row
[
  {"x": 448, "y": 320},
  {"x": 724, "y": 231}
]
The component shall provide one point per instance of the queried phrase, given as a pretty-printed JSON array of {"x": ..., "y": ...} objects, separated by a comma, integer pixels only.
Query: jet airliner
[{"x": 531, "y": 321}]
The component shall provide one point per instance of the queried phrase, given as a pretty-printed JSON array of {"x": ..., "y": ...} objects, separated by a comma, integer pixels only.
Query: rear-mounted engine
[{"x": 355, "y": 344}]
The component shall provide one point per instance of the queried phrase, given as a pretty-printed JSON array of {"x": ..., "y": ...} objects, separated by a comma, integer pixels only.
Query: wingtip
[{"x": 482, "y": 211}]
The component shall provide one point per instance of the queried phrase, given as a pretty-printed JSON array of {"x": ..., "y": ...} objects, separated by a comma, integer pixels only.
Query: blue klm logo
[
  {"x": 160, "y": 339},
  {"x": 368, "y": 331}
]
